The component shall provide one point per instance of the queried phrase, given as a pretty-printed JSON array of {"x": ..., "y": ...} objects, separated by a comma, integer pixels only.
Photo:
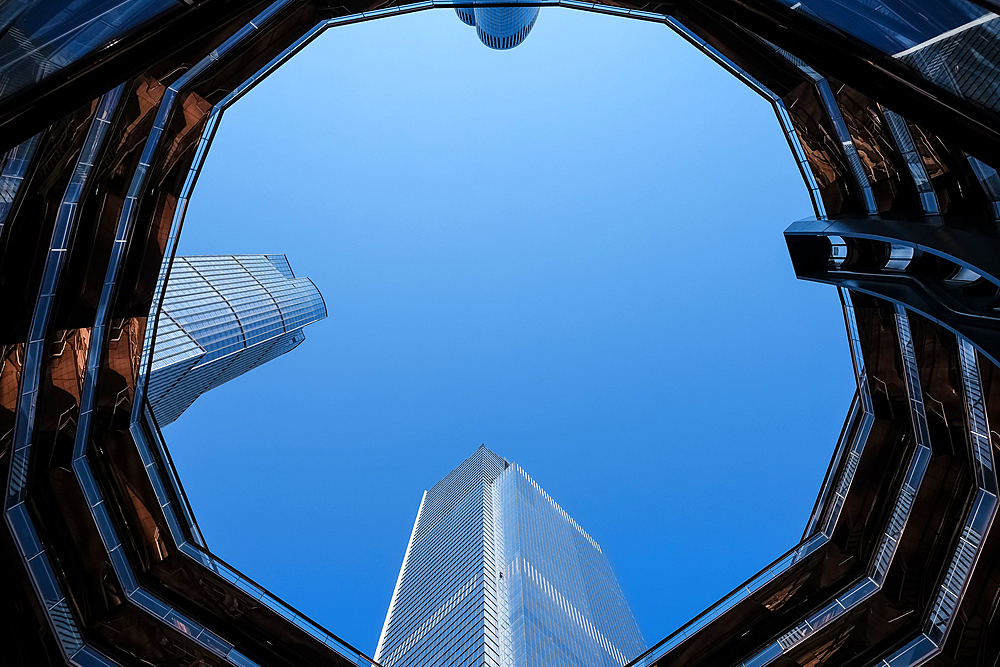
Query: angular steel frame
[{"x": 931, "y": 232}]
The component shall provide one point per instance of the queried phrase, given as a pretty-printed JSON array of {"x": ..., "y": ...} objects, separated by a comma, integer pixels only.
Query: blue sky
[{"x": 570, "y": 252}]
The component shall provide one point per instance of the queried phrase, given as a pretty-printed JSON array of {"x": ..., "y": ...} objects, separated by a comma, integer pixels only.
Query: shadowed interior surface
[{"x": 105, "y": 563}]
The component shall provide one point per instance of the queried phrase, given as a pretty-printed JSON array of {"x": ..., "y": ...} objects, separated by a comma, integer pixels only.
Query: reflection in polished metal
[
  {"x": 496, "y": 573},
  {"x": 39, "y": 38},
  {"x": 499, "y": 28},
  {"x": 900, "y": 560},
  {"x": 221, "y": 317},
  {"x": 16, "y": 507},
  {"x": 950, "y": 43}
]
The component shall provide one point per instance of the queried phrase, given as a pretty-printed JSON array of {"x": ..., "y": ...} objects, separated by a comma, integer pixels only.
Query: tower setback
[{"x": 224, "y": 315}]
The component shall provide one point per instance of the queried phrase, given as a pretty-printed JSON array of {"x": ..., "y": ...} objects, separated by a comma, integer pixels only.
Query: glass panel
[
  {"x": 39, "y": 38},
  {"x": 823, "y": 149},
  {"x": 950, "y": 43},
  {"x": 893, "y": 190}
]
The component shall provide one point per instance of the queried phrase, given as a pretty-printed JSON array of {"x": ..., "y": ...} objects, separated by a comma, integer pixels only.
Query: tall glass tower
[
  {"x": 497, "y": 574},
  {"x": 222, "y": 316},
  {"x": 891, "y": 109},
  {"x": 499, "y": 28}
]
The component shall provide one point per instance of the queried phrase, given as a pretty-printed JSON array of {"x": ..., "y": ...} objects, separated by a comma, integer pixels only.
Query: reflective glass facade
[
  {"x": 496, "y": 573},
  {"x": 39, "y": 38},
  {"x": 565, "y": 606},
  {"x": 951, "y": 43},
  {"x": 223, "y": 316},
  {"x": 499, "y": 27},
  {"x": 107, "y": 113}
]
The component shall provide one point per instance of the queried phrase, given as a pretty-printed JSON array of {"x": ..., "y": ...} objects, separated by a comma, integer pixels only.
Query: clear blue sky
[{"x": 571, "y": 252}]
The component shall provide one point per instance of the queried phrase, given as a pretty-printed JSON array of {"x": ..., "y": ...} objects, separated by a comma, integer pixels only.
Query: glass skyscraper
[
  {"x": 499, "y": 27},
  {"x": 496, "y": 573},
  {"x": 222, "y": 316},
  {"x": 108, "y": 109}
]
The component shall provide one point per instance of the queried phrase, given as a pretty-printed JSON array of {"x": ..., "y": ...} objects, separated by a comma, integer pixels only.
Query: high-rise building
[
  {"x": 497, "y": 574},
  {"x": 224, "y": 315},
  {"x": 499, "y": 28},
  {"x": 891, "y": 109}
]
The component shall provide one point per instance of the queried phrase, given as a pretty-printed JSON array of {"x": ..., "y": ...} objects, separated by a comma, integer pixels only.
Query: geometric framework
[
  {"x": 915, "y": 461},
  {"x": 899, "y": 565}
]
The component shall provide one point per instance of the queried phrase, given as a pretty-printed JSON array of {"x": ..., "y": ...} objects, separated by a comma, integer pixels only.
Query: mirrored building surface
[
  {"x": 499, "y": 28},
  {"x": 496, "y": 573},
  {"x": 222, "y": 316},
  {"x": 890, "y": 109}
]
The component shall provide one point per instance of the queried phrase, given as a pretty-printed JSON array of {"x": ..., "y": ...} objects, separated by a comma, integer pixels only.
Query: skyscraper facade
[
  {"x": 224, "y": 315},
  {"x": 497, "y": 574},
  {"x": 499, "y": 28},
  {"x": 891, "y": 109}
]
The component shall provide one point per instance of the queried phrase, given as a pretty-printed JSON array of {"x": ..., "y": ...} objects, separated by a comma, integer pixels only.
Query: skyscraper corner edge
[{"x": 490, "y": 544}]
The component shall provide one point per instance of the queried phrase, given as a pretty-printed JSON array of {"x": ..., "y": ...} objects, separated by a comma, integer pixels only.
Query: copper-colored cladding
[
  {"x": 11, "y": 359},
  {"x": 137, "y": 502},
  {"x": 118, "y": 377},
  {"x": 69, "y": 361},
  {"x": 817, "y": 656},
  {"x": 111, "y": 622},
  {"x": 777, "y": 600},
  {"x": 147, "y": 525},
  {"x": 822, "y": 149},
  {"x": 147, "y": 93},
  {"x": 59, "y": 412},
  {"x": 958, "y": 191},
  {"x": 194, "y": 110},
  {"x": 893, "y": 190}
]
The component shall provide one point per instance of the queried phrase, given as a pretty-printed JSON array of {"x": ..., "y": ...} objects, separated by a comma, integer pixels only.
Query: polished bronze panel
[
  {"x": 958, "y": 190},
  {"x": 110, "y": 620},
  {"x": 28, "y": 228},
  {"x": 975, "y": 640},
  {"x": 893, "y": 190},
  {"x": 823, "y": 149}
]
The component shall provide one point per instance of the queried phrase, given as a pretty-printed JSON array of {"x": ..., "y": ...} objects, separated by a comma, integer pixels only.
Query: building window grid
[
  {"x": 232, "y": 316},
  {"x": 563, "y": 602}
]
